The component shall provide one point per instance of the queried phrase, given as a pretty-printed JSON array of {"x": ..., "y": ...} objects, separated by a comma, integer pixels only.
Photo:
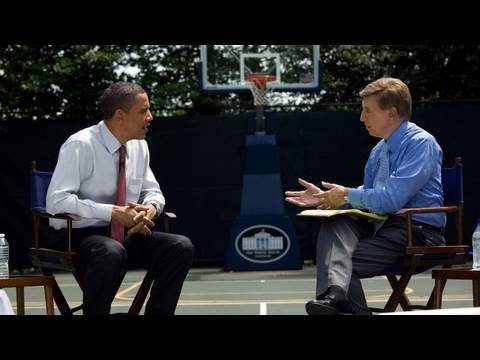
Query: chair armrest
[
  {"x": 445, "y": 209},
  {"x": 63, "y": 216},
  {"x": 167, "y": 215},
  {"x": 69, "y": 218},
  {"x": 444, "y": 249},
  {"x": 53, "y": 253},
  {"x": 407, "y": 214}
]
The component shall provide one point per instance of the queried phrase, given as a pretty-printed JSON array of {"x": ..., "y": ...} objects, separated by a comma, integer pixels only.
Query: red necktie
[{"x": 117, "y": 229}]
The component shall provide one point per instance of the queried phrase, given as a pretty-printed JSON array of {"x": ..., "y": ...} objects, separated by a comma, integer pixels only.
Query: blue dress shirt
[{"x": 415, "y": 176}]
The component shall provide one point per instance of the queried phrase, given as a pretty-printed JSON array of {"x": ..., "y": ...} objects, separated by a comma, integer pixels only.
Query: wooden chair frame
[
  {"x": 428, "y": 256},
  {"x": 49, "y": 260},
  {"x": 442, "y": 275},
  {"x": 21, "y": 281}
]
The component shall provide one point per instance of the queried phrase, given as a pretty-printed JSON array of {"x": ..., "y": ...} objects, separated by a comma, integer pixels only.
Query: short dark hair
[{"x": 120, "y": 95}]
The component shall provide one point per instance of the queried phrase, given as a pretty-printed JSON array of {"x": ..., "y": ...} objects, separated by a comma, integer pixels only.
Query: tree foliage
[
  {"x": 446, "y": 72},
  {"x": 53, "y": 81}
]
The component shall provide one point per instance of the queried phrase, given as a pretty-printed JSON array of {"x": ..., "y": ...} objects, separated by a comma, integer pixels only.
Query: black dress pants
[{"x": 104, "y": 261}]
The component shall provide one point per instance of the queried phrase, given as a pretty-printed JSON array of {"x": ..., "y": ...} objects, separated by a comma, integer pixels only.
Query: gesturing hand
[
  {"x": 304, "y": 198},
  {"x": 332, "y": 198}
]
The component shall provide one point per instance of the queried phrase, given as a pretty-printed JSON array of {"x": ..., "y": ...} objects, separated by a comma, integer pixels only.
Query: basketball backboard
[{"x": 224, "y": 68}]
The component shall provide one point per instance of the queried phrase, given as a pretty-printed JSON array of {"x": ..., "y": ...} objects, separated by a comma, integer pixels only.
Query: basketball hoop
[{"x": 259, "y": 85}]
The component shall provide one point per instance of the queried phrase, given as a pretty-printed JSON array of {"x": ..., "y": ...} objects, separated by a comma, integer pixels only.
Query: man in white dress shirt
[{"x": 103, "y": 175}]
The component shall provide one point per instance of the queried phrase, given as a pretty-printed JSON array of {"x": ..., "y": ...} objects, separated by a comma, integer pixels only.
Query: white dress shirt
[{"x": 85, "y": 179}]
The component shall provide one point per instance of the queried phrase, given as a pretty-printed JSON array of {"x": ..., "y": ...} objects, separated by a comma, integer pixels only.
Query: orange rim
[{"x": 260, "y": 81}]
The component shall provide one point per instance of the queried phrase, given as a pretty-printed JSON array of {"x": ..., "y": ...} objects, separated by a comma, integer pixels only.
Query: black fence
[{"x": 198, "y": 162}]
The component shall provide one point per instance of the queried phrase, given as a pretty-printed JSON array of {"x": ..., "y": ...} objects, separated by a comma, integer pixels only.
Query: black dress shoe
[{"x": 331, "y": 304}]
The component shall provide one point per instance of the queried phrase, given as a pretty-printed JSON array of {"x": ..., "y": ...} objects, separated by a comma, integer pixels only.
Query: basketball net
[{"x": 259, "y": 85}]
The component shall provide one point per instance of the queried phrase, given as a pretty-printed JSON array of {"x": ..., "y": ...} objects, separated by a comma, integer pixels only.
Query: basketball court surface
[{"x": 212, "y": 291}]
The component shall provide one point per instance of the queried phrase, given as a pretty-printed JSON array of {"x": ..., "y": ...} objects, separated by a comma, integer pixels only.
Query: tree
[
  {"x": 52, "y": 81},
  {"x": 55, "y": 81},
  {"x": 444, "y": 72}
]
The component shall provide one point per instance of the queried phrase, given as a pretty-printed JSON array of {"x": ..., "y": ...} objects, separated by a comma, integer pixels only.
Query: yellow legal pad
[{"x": 356, "y": 213}]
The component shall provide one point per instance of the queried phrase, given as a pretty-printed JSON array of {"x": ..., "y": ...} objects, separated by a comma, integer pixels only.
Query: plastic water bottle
[
  {"x": 3, "y": 257},
  {"x": 476, "y": 246}
]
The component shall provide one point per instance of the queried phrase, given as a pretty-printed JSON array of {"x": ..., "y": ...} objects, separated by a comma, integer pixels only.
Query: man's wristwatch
[{"x": 345, "y": 197}]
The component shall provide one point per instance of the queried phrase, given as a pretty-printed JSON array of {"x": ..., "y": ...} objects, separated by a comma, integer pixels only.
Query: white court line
[
  {"x": 67, "y": 284},
  {"x": 263, "y": 308},
  {"x": 37, "y": 305},
  {"x": 379, "y": 278}
]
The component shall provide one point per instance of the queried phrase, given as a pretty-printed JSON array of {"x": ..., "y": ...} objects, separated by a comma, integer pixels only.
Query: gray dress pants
[{"x": 349, "y": 250}]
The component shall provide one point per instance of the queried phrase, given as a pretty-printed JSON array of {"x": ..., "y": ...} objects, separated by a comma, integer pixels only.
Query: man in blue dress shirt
[
  {"x": 103, "y": 175},
  {"x": 402, "y": 171}
]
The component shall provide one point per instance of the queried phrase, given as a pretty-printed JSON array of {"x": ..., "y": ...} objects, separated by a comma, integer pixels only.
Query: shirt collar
[
  {"x": 109, "y": 140},
  {"x": 396, "y": 137}
]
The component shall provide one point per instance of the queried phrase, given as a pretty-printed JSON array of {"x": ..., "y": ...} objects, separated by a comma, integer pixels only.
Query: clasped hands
[
  {"x": 135, "y": 217},
  {"x": 313, "y": 196}
]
